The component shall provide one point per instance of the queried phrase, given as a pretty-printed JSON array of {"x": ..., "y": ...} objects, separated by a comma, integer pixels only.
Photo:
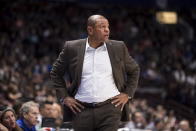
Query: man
[
  {"x": 139, "y": 121},
  {"x": 46, "y": 109},
  {"x": 29, "y": 116},
  {"x": 184, "y": 125},
  {"x": 103, "y": 78},
  {"x": 50, "y": 113}
]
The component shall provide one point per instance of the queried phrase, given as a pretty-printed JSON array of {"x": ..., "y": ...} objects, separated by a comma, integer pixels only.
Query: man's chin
[
  {"x": 106, "y": 39},
  {"x": 34, "y": 123}
]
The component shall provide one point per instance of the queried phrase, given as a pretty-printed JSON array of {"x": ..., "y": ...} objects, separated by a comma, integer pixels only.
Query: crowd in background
[
  {"x": 47, "y": 114},
  {"x": 32, "y": 34}
]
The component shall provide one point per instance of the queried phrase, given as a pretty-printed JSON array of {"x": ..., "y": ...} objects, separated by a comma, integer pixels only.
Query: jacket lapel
[
  {"x": 81, "y": 52},
  {"x": 111, "y": 52}
]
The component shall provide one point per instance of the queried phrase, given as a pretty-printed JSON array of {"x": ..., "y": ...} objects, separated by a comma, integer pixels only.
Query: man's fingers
[
  {"x": 115, "y": 101},
  {"x": 76, "y": 108},
  {"x": 78, "y": 104},
  {"x": 72, "y": 109},
  {"x": 116, "y": 105},
  {"x": 122, "y": 107},
  {"x": 73, "y": 105},
  {"x": 118, "y": 101}
]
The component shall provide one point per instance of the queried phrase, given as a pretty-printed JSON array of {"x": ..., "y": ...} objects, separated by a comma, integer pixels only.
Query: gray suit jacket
[{"x": 70, "y": 61}]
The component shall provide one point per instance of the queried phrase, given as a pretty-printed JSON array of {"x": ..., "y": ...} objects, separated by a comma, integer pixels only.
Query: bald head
[
  {"x": 98, "y": 30},
  {"x": 184, "y": 125},
  {"x": 93, "y": 19}
]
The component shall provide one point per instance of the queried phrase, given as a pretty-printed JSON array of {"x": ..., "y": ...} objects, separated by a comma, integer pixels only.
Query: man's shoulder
[
  {"x": 75, "y": 42},
  {"x": 19, "y": 121},
  {"x": 116, "y": 42},
  {"x": 23, "y": 126}
]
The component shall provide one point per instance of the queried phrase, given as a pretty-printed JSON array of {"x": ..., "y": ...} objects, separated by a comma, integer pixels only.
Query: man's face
[
  {"x": 139, "y": 117},
  {"x": 9, "y": 120},
  {"x": 56, "y": 110},
  {"x": 47, "y": 110},
  {"x": 184, "y": 125},
  {"x": 32, "y": 116},
  {"x": 100, "y": 31}
]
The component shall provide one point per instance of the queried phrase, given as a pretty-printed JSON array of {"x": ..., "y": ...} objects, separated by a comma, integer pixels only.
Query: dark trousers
[{"x": 103, "y": 118}]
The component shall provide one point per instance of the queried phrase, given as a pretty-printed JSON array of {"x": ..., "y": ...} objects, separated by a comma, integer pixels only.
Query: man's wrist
[{"x": 129, "y": 97}]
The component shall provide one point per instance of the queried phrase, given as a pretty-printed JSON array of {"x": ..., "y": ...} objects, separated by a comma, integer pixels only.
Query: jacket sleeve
[
  {"x": 132, "y": 73},
  {"x": 58, "y": 71}
]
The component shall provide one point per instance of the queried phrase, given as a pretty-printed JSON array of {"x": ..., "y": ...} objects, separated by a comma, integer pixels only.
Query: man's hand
[
  {"x": 73, "y": 104},
  {"x": 120, "y": 99}
]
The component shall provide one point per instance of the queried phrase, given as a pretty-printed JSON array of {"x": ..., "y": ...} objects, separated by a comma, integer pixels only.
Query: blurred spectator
[
  {"x": 8, "y": 119},
  {"x": 51, "y": 110},
  {"x": 46, "y": 109},
  {"x": 184, "y": 126},
  {"x": 159, "y": 125},
  {"x": 28, "y": 116},
  {"x": 57, "y": 114},
  {"x": 3, "y": 128},
  {"x": 139, "y": 121}
]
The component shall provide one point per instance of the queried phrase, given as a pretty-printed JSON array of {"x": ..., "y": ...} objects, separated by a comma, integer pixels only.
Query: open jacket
[{"x": 70, "y": 62}]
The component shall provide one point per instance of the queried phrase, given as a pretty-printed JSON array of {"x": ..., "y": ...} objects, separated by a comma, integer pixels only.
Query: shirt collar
[
  {"x": 25, "y": 127},
  {"x": 89, "y": 47}
]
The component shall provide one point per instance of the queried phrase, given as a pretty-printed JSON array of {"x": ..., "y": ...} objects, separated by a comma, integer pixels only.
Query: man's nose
[
  {"x": 36, "y": 117},
  {"x": 107, "y": 29}
]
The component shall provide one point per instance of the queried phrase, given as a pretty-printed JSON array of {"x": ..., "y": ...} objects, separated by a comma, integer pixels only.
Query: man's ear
[
  {"x": 25, "y": 115},
  {"x": 90, "y": 30}
]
